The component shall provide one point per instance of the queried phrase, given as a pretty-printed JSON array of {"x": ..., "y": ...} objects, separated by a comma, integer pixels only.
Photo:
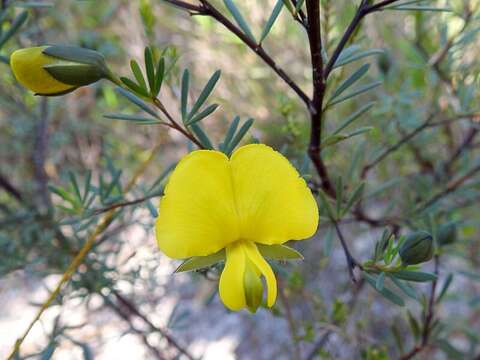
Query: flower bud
[
  {"x": 253, "y": 287},
  {"x": 447, "y": 234},
  {"x": 417, "y": 248},
  {"x": 57, "y": 70}
]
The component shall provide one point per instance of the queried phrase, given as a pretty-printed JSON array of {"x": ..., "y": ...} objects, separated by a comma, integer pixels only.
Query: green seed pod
[
  {"x": 253, "y": 287},
  {"x": 417, "y": 248},
  {"x": 447, "y": 234}
]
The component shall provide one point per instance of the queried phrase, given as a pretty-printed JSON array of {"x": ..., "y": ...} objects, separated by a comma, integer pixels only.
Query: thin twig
[
  {"x": 291, "y": 322},
  {"x": 428, "y": 318},
  {"x": 133, "y": 310},
  {"x": 352, "y": 263}
]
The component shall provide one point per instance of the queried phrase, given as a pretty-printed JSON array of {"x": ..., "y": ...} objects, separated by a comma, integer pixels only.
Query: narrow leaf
[
  {"x": 232, "y": 8},
  {"x": 134, "y": 87},
  {"x": 239, "y": 136},
  {"x": 203, "y": 114},
  {"x": 150, "y": 68},
  {"x": 159, "y": 76},
  {"x": 184, "y": 97},
  {"x": 357, "y": 56},
  {"x": 207, "y": 90},
  {"x": 271, "y": 20},
  {"x": 230, "y": 133},
  {"x": 137, "y": 101},
  {"x": 352, "y": 79},
  {"x": 352, "y": 117},
  {"x": 16, "y": 24},
  {"x": 358, "y": 91},
  {"x": 416, "y": 276},
  {"x": 201, "y": 136},
  {"x": 388, "y": 294},
  {"x": 137, "y": 72}
]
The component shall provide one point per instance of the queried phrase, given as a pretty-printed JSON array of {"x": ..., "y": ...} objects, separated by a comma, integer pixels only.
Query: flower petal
[
  {"x": 273, "y": 202},
  {"x": 197, "y": 213},
  {"x": 27, "y": 65},
  {"x": 231, "y": 286},
  {"x": 254, "y": 255}
]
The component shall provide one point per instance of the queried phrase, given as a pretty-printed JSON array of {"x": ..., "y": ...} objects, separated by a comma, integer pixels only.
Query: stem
[
  {"x": 351, "y": 262},
  {"x": 319, "y": 86}
]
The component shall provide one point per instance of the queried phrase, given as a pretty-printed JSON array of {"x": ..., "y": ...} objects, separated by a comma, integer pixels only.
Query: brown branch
[
  {"x": 315, "y": 43},
  {"x": 209, "y": 10},
  {"x": 451, "y": 187},
  {"x": 10, "y": 188}
]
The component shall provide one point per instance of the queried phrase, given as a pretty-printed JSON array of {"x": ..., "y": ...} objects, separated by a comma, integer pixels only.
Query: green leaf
[
  {"x": 207, "y": 90},
  {"x": 388, "y": 294},
  {"x": 239, "y": 136},
  {"x": 405, "y": 287},
  {"x": 413, "y": 325},
  {"x": 289, "y": 6},
  {"x": 201, "y": 262},
  {"x": 352, "y": 79},
  {"x": 184, "y": 96},
  {"x": 230, "y": 133},
  {"x": 232, "y": 8},
  {"x": 203, "y": 114},
  {"x": 134, "y": 87},
  {"x": 357, "y": 193},
  {"x": 352, "y": 117},
  {"x": 201, "y": 136},
  {"x": 416, "y": 276},
  {"x": 418, "y": 8},
  {"x": 138, "y": 102},
  {"x": 150, "y": 68},
  {"x": 299, "y": 5},
  {"x": 339, "y": 197},
  {"x": 271, "y": 20},
  {"x": 129, "y": 117},
  {"x": 445, "y": 287},
  {"x": 344, "y": 60},
  {"x": 74, "y": 183},
  {"x": 16, "y": 24},
  {"x": 356, "y": 92},
  {"x": 379, "y": 284},
  {"x": 326, "y": 204},
  {"x": 137, "y": 72},
  {"x": 279, "y": 252},
  {"x": 159, "y": 76}
]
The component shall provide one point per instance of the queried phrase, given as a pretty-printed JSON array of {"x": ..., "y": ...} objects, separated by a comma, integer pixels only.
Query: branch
[
  {"x": 428, "y": 318},
  {"x": 351, "y": 261},
  {"x": 208, "y": 9},
  {"x": 132, "y": 309},
  {"x": 315, "y": 43},
  {"x": 10, "y": 188}
]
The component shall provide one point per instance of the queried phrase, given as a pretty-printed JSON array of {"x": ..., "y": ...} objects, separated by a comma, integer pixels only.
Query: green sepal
[
  {"x": 75, "y": 74},
  {"x": 201, "y": 262},
  {"x": 279, "y": 252},
  {"x": 76, "y": 54},
  {"x": 60, "y": 93}
]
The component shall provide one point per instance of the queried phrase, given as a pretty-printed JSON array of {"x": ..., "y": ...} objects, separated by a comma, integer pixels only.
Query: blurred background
[{"x": 124, "y": 302}]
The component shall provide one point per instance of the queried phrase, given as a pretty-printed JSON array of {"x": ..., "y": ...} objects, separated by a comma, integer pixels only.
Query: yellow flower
[
  {"x": 57, "y": 70},
  {"x": 212, "y": 203}
]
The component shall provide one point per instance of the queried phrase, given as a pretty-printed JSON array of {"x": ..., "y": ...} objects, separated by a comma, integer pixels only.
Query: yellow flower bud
[{"x": 57, "y": 70}]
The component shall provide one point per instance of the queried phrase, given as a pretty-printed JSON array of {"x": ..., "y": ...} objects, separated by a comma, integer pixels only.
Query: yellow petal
[
  {"x": 197, "y": 213},
  {"x": 254, "y": 255},
  {"x": 273, "y": 202},
  {"x": 231, "y": 286},
  {"x": 27, "y": 65}
]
